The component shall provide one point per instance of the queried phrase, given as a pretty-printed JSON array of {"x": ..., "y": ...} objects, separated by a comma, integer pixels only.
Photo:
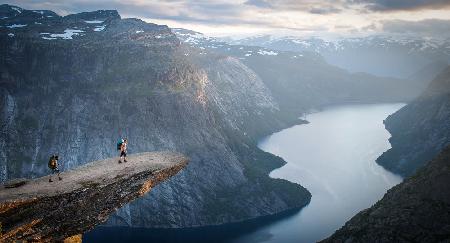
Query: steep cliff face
[
  {"x": 238, "y": 92},
  {"x": 417, "y": 210},
  {"x": 49, "y": 212},
  {"x": 75, "y": 84},
  {"x": 420, "y": 130}
]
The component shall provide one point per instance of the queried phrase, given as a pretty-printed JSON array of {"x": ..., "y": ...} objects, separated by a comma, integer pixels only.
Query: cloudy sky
[{"x": 426, "y": 18}]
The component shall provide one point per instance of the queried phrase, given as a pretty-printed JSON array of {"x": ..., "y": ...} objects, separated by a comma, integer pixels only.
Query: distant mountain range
[
  {"x": 389, "y": 56},
  {"x": 301, "y": 80}
]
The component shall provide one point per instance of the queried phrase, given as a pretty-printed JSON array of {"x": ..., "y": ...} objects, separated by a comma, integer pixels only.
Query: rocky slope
[
  {"x": 420, "y": 130},
  {"x": 43, "y": 211},
  {"x": 417, "y": 210},
  {"x": 77, "y": 83}
]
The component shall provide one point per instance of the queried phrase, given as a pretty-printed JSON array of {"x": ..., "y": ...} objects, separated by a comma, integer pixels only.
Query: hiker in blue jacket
[{"x": 123, "y": 150}]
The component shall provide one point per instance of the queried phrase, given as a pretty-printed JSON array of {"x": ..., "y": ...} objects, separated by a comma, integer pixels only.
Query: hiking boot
[
  {"x": 50, "y": 180},
  {"x": 120, "y": 161},
  {"x": 60, "y": 178},
  {"x": 125, "y": 160}
]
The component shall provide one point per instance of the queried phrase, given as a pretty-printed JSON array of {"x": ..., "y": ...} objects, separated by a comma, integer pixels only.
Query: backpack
[
  {"x": 119, "y": 144},
  {"x": 52, "y": 163}
]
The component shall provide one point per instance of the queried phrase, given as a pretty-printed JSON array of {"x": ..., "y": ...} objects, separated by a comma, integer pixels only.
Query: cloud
[
  {"x": 425, "y": 28},
  {"x": 324, "y": 10},
  {"x": 301, "y": 16},
  {"x": 393, "y": 5},
  {"x": 311, "y": 6},
  {"x": 258, "y": 3},
  {"x": 177, "y": 10},
  {"x": 218, "y": 13}
]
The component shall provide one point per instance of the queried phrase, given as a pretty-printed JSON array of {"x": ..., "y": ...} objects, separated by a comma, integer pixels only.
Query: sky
[{"x": 240, "y": 18}]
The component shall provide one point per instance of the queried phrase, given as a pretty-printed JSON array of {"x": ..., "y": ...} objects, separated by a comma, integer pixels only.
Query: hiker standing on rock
[
  {"x": 123, "y": 150},
  {"x": 53, "y": 165}
]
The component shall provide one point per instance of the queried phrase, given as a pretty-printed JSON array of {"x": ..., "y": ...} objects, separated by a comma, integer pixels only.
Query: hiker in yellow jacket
[{"x": 53, "y": 165}]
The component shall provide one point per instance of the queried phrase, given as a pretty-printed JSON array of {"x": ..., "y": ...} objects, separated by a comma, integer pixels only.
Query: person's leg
[
  {"x": 124, "y": 157},
  {"x": 120, "y": 157},
  {"x": 53, "y": 172},
  {"x": 59, "y": 176}
]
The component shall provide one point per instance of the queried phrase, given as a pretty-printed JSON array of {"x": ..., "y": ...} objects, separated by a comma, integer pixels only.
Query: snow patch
[
  {"x": 248, "y": 54},
  {"x": 39, "y": 12},
  {"x": 67, "y": 35},
  {"x": 17, "y": 9},
  {"x": 139, "y": 31},
  {"x": 192, "y": 40},
  {"x": 99, "y": 28},
  {"x": 16, "y": 26},
  {"x": 11, "y": 35},
  {"x": 269, "y": 53},
  {"x": 93, "y": 21},
  {"x": 302, "y": 42}
]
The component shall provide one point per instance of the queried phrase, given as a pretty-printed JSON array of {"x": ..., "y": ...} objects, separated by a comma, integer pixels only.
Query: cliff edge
[{"x": 43, "y": 211}]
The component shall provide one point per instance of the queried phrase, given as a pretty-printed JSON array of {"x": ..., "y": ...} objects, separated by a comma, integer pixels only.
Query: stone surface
[
  {"x": 416, "y": 210},
  {"x": 15, "y": 183},
  {"x": 48, "y": 211}
]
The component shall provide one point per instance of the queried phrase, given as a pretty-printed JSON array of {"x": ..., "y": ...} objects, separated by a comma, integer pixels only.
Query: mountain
[
  {"x": 75, "y": 84},
  {"x": 303, "y": 80},
  {"x": 388, "y": 56},
  {"x": 416, "y": 210},
  {"x": 420, "y": 130}
]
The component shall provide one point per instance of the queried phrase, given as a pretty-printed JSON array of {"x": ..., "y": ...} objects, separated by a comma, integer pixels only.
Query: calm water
[{"x": 333, "y": 157}]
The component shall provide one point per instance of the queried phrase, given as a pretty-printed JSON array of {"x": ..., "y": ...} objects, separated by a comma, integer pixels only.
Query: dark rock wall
[{"x": 419, "y": 130}]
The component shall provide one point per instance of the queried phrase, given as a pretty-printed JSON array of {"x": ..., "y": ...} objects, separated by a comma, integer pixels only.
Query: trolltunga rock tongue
[{"x": 41, "y": 211}]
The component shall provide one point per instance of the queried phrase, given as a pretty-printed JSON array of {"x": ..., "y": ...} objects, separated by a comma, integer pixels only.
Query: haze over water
[{"x": 334, "y": 158}]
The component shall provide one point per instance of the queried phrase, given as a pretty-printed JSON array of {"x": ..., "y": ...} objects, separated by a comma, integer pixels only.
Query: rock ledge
[{"x": 87, "y": 195}]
